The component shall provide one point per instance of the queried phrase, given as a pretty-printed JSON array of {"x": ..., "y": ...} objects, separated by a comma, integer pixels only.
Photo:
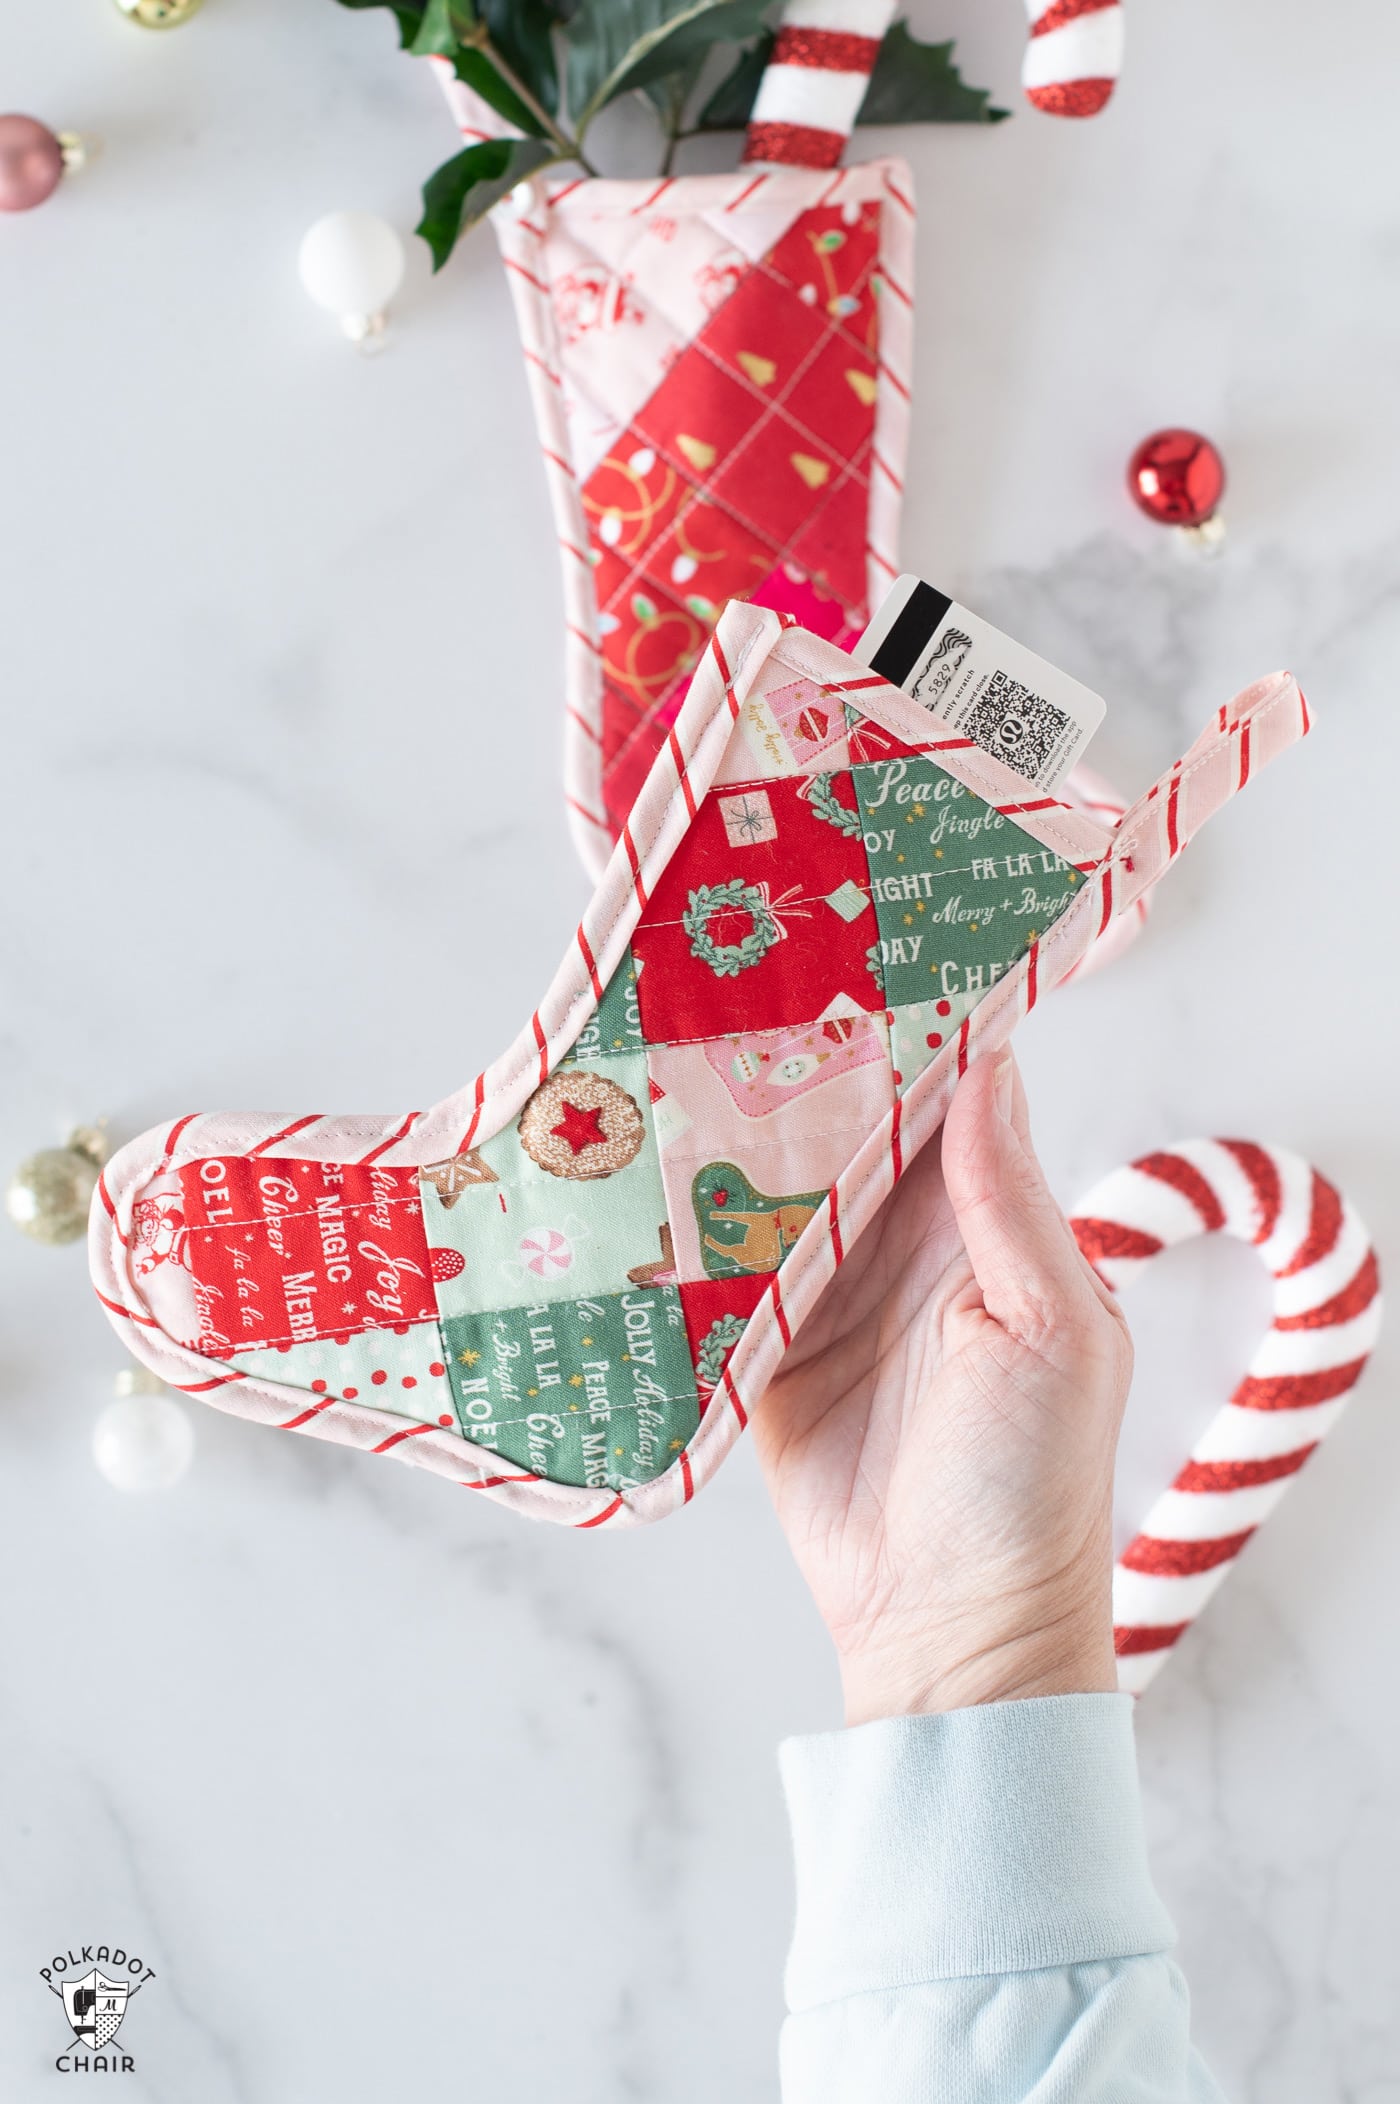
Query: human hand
[{"x": 939, "y": 1443}]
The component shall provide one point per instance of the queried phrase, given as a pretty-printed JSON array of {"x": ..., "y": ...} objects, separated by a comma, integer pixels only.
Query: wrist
[{"x": 945, "y": 1669}]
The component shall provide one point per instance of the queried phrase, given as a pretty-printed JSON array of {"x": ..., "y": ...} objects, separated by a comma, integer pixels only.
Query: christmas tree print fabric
[{"x": 547, "y": 1280}]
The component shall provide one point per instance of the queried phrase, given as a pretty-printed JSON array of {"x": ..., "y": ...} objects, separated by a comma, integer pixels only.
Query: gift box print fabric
[{"x": 567, "y": 1284}]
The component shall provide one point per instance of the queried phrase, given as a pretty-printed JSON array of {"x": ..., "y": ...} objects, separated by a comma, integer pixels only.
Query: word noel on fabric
[{"x": 566, "y": 1284}]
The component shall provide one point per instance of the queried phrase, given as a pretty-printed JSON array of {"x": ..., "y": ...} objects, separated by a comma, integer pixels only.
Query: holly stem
[{"x": 568, "y": 148}]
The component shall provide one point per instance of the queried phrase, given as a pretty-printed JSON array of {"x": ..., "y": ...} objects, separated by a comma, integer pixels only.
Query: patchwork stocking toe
[{"x": 567, "y": 1284}]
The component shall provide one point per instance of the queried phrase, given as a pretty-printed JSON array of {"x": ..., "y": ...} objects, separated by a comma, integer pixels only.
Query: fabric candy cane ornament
[
  {"x": 567, "y": 1284},
  {"x": 1327, "y": 1314},
  {"x": 720, "y": 369}
]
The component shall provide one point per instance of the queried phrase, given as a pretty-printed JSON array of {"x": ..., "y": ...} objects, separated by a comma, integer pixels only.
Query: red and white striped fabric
[
  {"x": 1327, "y": 1313},
  {"x": 815, "y": 80},
  {"x": 1074, "y": 56}
]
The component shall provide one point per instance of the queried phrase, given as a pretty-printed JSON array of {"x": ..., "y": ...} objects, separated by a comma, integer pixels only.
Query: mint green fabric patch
[
  {"x": 570, "y": 1203},
  {"x": 919, "y": 1032},
  {"x": 960, "y": 891},
  {"x": 598, "y": 1392}
]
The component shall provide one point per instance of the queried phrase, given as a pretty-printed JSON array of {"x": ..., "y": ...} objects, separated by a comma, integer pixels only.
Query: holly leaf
[
  {"x": 459, "y": 193},
  {"x": 475, "y": 70},
  {"x": 523, "y": 32},
  {"x": 914, "y": 83},
  {"x": 729, "y": 108},
  {"x": 407, "y": 13},
  {"x": 617, "y": 45},
  {"x": 438, "y": 33}
]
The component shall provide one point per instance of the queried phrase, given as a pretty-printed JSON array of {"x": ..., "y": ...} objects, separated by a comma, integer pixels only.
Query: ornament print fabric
[{"x": 566, "y": 1285}]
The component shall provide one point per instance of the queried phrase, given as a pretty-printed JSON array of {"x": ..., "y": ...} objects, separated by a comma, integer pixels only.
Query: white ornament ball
[
  {"x": 351, "y": 263},
  {"x": 143, "y": 1442}
]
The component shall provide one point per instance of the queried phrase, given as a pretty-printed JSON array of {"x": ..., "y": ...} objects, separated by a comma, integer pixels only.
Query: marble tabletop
[{"x": 491, "y": 1810}]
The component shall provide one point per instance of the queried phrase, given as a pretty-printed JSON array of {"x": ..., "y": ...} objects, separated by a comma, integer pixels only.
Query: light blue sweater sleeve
[{"x": 976, "y": 1921}]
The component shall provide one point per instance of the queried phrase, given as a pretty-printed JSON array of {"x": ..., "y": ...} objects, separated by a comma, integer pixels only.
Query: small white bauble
[
  {"x": 143, "y": 1441},
  {"x": 351, "y": 264}
]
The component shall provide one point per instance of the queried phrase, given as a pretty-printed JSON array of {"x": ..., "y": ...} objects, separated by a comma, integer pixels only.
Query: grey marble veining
[{"x": 404, "y": 1799}]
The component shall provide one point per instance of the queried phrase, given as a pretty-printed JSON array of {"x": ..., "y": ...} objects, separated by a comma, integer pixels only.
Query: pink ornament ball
[{"x": 31, "y": 163}]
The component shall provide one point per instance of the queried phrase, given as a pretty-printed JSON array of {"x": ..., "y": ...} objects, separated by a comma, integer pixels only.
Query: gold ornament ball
[
  {"x": 50, "y": 1194},
  {"x": 159, "y": 14}
]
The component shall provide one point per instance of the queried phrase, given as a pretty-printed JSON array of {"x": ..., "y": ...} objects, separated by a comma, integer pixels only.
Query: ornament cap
[{"x": 159, "y": 14}]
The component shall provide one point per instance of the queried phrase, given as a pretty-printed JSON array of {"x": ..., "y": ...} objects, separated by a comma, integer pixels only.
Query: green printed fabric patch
[
  {"x": 960, "y": 891},
  {"x": 598, "y": 1392},
  {"x": 743, "y": 1229},
  {"x": 616, "y": 1024}
]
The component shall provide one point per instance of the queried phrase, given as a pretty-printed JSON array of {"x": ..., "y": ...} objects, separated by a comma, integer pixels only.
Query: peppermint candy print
[{"x": 1327, "y": 1314}]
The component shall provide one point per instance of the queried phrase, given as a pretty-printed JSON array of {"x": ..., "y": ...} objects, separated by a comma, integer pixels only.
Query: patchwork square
[
  {"x": 281, "y": 1251},
  {"x": 788, "y": 464},
  {"x": 772, "y": 1114},
  {"x": 403, "y": 1370},
  {"x": 616, "y": 1023},
  {"x": 960, "y": 891},
  {"x": 920, "y": 1030},
  {"x": 749, "y": 926},
  {"x": 572, "y": 1202},
  {"x": 631, "y": 497},
  {"x": 786, "y": 727},
  {"x": 598, "y": 1392},
  {"x": 707, "y": 556},
  {"x": 716, "y": 1311}
]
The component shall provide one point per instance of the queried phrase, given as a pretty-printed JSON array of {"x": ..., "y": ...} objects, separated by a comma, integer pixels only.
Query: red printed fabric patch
[
  {"x": 751, "y": 460},
  {"x": 716, "y": 1311},
  {"x": 284, "y": 1251},
  {"x": 764, "y": 917}
]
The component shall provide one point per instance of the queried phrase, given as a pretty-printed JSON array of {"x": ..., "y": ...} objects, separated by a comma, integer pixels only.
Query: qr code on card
[{"x": 1019, "y": 727}]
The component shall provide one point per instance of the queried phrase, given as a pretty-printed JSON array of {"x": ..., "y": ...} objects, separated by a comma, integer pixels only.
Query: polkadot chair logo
[{"x": 95, "y": 1985}]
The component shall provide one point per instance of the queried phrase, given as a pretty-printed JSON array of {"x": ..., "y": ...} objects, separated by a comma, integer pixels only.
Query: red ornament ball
[{"x": 1177, "y": 477}]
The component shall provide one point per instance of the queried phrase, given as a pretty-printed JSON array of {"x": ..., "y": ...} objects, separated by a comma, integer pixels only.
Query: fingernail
[{"x": 1002, "y": 1079}]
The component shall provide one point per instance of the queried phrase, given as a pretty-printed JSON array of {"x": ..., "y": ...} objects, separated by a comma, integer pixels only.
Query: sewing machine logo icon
[{"x": 95, "y": 2007}]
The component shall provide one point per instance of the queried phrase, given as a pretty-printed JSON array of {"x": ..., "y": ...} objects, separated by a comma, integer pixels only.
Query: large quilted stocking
[{"x": 567, "y": 1284}]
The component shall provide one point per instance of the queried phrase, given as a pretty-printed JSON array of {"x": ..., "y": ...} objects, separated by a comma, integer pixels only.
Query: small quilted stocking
[{"x": 567, "y": 1284}]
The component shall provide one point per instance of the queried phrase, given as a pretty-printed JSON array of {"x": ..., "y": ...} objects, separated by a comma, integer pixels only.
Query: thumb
[{"x": 1033, "y": 1279}]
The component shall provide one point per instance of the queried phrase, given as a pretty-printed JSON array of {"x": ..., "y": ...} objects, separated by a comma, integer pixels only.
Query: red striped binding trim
[{"x": 599, "y": 1517}]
